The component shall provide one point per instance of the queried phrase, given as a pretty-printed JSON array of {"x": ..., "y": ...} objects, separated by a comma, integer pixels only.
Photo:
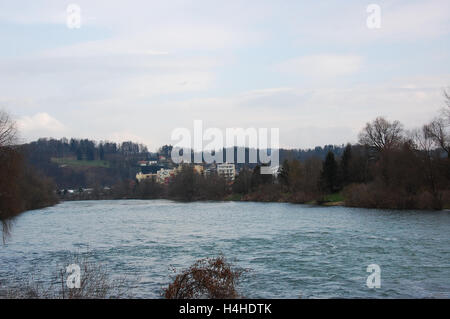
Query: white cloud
[
  {"x": 322, "y": 65},
  {"x": 125, "y": 136},
  {"x": 344, "y": 22},
  {"x": 311, "y": 117},
  {"x": 154, "y": 85},
  {"x": 137, "y": 70},
  {"x": 265, "y": 92},
  {"x": 412, "y": 20},
  {"x": 40, "y": 125}
]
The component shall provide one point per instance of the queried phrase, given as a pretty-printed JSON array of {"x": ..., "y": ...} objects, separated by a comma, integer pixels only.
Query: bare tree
[
  {"x": 447, "y": 97},
  {"x": 9, "y": 170},
  {"x": 424, "y": 143},
  {"x": 8, "y": 131},
  {"x": 382, "y": 134},
  {"x": 420, "y": 140},
  {"x": 445, "y": 112},
  {"x": 438, "y": 130}
]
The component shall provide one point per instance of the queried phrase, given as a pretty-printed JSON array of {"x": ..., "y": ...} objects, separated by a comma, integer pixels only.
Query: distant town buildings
[
  {"x": 227, "y": 171},
  {"x": 147, "y": 163},
  {"x": 199, "y": 169},
  {"x": 148, "y": 171},
  {"x": 163, "y": 176},
  {"x": 141, "y": 176},
  {"x": 162, "y": 173}
]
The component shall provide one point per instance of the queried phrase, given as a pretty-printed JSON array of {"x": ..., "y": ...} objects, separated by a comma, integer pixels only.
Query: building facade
[{"x": 227, "y": 171}]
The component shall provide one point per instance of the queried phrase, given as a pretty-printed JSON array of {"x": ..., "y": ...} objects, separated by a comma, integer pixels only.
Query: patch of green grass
[
  {"x": 336, "y": 197},
  {"x": 73, "y": 162},
  {"x": 234, "y": 197}
]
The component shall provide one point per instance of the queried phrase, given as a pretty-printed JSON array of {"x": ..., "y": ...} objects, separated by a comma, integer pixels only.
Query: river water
[{"x": 291, "y": 250}]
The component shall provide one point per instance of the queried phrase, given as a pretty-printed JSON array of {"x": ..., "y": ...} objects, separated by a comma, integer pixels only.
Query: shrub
[
  {"x": 377, "y": 195},
  {"x": 212, "y": 278},
  {"x": 302, "y": 197},
  {"x": 446, "y": 199},
  {"x": 95, "y": 283}
]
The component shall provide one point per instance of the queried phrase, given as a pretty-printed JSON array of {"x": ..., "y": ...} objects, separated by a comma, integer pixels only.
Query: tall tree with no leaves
[
  {"x": 382, "y": 134},
  {"x": 438, "y": 129},
  {"x": 10, "y": 162},
  {"x": 8, "y": 131},
  {"x": 447, "y": 99},
  {"x": 437, "y": 132}
]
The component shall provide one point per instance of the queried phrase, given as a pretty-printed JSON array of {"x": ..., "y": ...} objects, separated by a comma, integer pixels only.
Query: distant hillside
[
  {"x": 74, "y": 163},
  {"x": 85, "y": 163}
]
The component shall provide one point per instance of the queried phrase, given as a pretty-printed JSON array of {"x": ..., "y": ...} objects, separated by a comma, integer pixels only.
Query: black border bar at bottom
[{"x": 236, "y": 308}]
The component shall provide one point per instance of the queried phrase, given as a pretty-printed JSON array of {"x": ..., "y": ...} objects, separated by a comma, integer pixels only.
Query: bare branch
[
  {"x": 436, "y": 131},
  {"x": 447, "y": 96},
  {"x": 8, "y": 130}
]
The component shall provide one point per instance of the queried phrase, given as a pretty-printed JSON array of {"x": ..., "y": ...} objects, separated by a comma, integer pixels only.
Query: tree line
[
  {"x": 390, "y": 167},
  {"x": 22, "y": 188},
  {"x": 120, "y": 159}
]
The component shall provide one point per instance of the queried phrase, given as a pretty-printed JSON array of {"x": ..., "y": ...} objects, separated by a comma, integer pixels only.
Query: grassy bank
[{"x": 73, "y": 162}]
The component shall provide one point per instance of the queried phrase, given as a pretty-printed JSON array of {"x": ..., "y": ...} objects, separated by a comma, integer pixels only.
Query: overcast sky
[{"x": 136, "y": 70}]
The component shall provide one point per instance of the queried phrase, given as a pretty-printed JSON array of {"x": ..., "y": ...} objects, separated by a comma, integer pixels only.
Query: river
[{"x": 291, "y": 250}]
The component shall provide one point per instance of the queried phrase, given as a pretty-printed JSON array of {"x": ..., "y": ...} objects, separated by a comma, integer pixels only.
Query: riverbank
[
  {"x": 332, "y": 200},
  {"x": 257, "y": 197},
  {"x": 329, "y": 200}
]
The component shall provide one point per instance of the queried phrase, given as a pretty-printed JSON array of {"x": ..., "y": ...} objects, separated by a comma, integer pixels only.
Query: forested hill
[{"x": 86, "y": 163}]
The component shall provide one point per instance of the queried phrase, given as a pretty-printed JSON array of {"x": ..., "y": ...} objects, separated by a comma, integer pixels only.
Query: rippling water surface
[{"x": 292, "y": 250}]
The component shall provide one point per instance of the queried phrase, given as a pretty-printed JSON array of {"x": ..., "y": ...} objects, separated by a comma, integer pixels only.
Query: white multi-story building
[{"x": 226, "y": 170}]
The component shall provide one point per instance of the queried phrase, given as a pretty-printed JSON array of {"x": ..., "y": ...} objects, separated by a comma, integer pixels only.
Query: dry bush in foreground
[
  {"x": 95, "y": 283},
  {"x": 211, "y": 278}
]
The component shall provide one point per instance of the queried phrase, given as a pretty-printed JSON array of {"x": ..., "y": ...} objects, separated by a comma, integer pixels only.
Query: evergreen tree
[
  {"x": 259, "y": 179},
  {"x": 101, "y": 152},
  {"x": 345, "y": 165},
  {"x": 329, "y": 176},
  {"x": 79, "y": 154},
  {"x": 90, "y": 153},
  {"x": 284, "y": 174},
  {"x": 242, "y": 183}
]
